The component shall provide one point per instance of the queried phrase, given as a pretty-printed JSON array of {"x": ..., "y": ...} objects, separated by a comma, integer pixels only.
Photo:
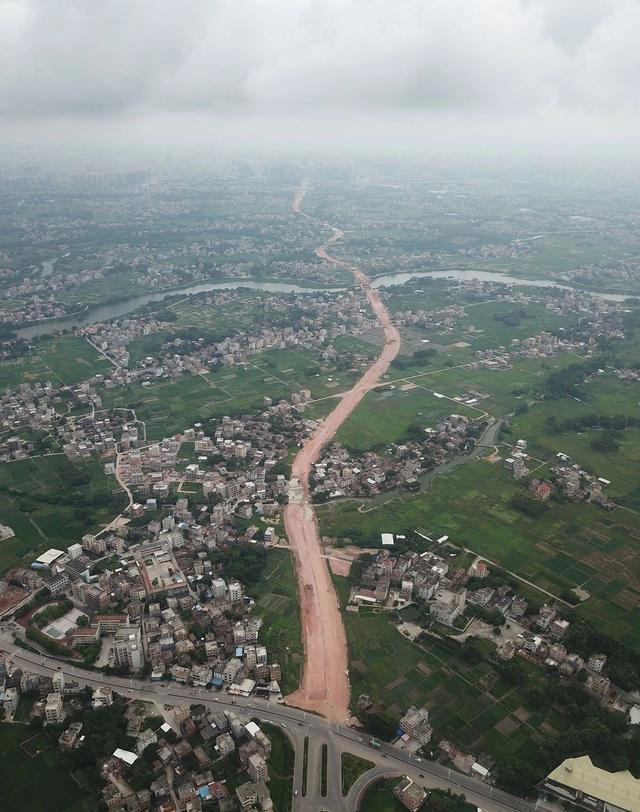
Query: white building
[
  {"x": 127, "y": 648},
  {"x": 54, "y": 709}
]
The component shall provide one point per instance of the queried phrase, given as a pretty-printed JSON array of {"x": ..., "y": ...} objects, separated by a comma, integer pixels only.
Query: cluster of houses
[
  {"x": 340, "y": 473},
  {"x": 186, "y": 754},
  {"x": 579, "y": 485},
  {"x": 158, "y": 606},
  {"x": 452, "y": 598},
  {"x": 322, "y": 317},
  {"x": 567, "y": 476},
  {"x": 397, "y": 580},
  {"x": 234, "y": 465}
]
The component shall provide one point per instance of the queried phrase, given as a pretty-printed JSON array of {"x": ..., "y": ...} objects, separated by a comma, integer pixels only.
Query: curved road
[
  {"x": 324, "y": 686},
  {"x": 298, "y": 724}
]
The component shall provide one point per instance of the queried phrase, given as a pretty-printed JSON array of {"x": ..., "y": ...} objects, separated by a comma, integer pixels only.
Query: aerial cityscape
[{"x": 319, "y": 407}]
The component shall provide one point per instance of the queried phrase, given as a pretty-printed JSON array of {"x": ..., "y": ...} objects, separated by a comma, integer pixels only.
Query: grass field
[
  {"x": 470, "y": 704},
  {"x": 40, "y": 524},
  {"x": 38, "y": 783},
  {"x": 352, "y": 768},
  {"x": 570, "y": 545},
  {"x": 383, "y": 417},
  {"x": 380, "y": 797},
  {"x": 605, "y": 395},
  {"x": 170, "y": 406},
  {"x": 277, "y": 599},
  {"x": 61, "y": 360},
  {"x": 281, "y": 763}
]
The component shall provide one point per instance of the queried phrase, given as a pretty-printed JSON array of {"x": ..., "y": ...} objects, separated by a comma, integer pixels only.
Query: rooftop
[{"x": 620, "y": 789}]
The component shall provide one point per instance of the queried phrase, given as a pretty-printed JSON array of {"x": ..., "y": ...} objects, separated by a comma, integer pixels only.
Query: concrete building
[
  {"x": 246, "y": 795},
  {"x": 415, "y": 723},
  {"x": 257, "y": 768},
  {"x": 58, "y": 682},
  {"x": 54, "y": 710},
  {"x": 410, "y": 794},
  {"x": 127, "y": 648},
  {"x": 578, "y": 781}
]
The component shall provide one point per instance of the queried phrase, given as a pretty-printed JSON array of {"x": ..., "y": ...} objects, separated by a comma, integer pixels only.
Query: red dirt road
[{"x": 325, "y": 685}]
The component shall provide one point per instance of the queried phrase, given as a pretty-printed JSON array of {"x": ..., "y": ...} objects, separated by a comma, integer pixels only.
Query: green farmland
[
  {"x": 63, "y": 360},
  {"x": 277, "y": 603},
  {"x": 51, "y": 502},
  {"x": 36, "y": 782},
  {"x": 170, "y": 406},
  {"x": 468, "y": 703}
]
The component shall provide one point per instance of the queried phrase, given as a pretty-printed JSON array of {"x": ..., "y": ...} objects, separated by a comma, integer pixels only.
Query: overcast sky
[{"x": 485, "y": 75}]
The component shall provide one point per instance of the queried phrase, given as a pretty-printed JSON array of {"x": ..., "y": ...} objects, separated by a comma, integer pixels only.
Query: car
[
  {"x": 384, "y": 755},
  {"x": 283, "y": 724},
  {"x": 215, "y": 699},
  {"x": 295, "y": 792},
  {"x": 419, "y": 760}
]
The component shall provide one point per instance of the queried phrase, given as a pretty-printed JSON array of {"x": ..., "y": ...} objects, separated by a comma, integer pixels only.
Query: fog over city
[{"x": 494, "y": 76}]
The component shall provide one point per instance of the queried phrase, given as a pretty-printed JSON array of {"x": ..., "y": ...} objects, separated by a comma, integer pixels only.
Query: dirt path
[{"x": 325, "y": 683}]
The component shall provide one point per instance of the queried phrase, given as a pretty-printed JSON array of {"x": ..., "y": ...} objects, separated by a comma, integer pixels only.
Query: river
[
  {"x": 491, "y": 276},
  {"x": 107, "y": 312}
]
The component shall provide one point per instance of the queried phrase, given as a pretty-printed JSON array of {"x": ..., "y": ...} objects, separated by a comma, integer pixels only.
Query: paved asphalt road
[{"x": 298, "y": 724}]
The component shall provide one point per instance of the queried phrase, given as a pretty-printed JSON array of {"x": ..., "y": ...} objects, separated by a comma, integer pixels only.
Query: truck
[{"x": 375, "y": 743}]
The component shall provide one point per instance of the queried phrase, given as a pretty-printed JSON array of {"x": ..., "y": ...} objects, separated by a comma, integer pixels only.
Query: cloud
[{"x": 477, "y": 57}]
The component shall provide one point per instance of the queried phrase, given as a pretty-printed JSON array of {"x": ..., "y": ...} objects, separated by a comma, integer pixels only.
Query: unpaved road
[{"x": 325, "y": 683}]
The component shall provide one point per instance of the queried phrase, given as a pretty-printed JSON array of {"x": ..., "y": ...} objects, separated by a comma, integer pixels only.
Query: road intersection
[{"x": 298, "y": 724}]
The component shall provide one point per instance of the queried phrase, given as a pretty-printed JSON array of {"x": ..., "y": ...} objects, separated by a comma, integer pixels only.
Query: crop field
[
  {"x": 469, "y": 704},
  {"x": 277, "y": 602},
  {"x": 36, "y": 783},
  {"x": 569, "y": 545},
  {"x": 47, "y": 510},
  {"x": 61, "y": 360},
  {"x": 501, "y": 389},
  {"x": 170, "y": 406},
  {"x": 384, "y": 416},
  {"x": 491, "y": 332},
  {"x": 605, "y": 395}
]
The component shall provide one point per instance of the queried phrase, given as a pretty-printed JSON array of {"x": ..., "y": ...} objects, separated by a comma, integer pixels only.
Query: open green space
[
  {"x": 38, "y": 782},
  {"x": 564, "y": 547},
  {"x": 324, "y": 756},
  {"x": 352, "y": 768},
  {"x": 281, "y": 763},
  {"x": 170, "y": 406},
  {"x": 604, "y": 395},
  {"x": 380, "y": 798},
  {"x": 384, "y": 416},
  {"x": 51, "y": 502},
  {"x": 469, "y": 703},
  {"x": 63, "y": 360},
  {"x": 277, "y": 602}
]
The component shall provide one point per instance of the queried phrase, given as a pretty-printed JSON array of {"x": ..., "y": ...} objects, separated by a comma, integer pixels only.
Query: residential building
[
  {"x": 127, "y": 648},
  {"x": 257, "y": 768},
  {"x": 410, "y": 794},
  {"x": 54, "y": 710}
]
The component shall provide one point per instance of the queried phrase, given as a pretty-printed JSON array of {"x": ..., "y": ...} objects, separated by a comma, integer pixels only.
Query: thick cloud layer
[{"x": 492, "y": 57}]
